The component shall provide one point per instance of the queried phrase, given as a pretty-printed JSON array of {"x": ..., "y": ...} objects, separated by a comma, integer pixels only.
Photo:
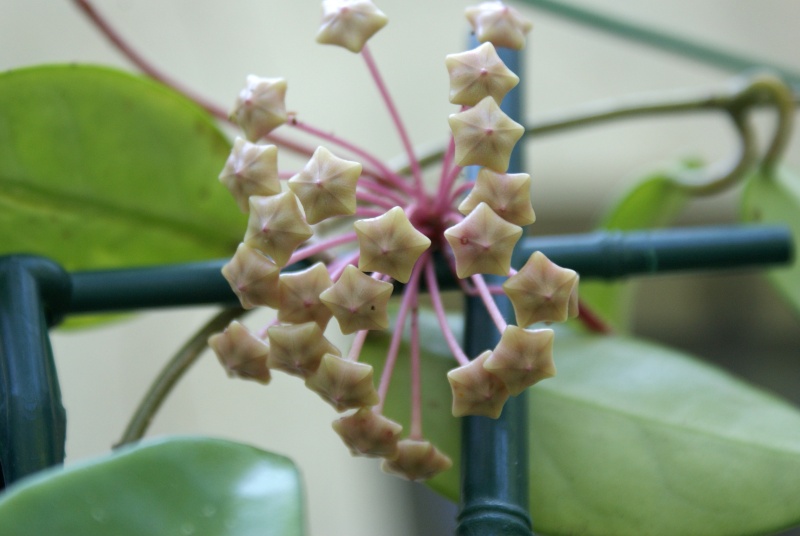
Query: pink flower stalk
[{"x": 394, "y": 226}]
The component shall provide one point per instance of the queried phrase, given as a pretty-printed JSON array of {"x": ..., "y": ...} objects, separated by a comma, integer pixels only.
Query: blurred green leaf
[
  {"x": 776, "y": 200},
  {"x": 631, "y": 438},
  {"x": 101, "y": 169},
  {"x": 651, "y": 203},
  {"x": 184, "y": 486}
]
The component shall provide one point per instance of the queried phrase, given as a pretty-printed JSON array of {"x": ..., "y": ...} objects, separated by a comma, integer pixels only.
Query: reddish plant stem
[
  {"x": 336, "y": 268},
  {"x": 357, "y": 345},
  {"x": 441, "y": 316},
  {"x": 374, "y": 199},
  {"x": 489, "y": 303},
  {"x": 409, "y": 298},
  {"x": 382, "y": 190},
  {"x": 416, "y": 376},
  {"x": 321, "y": 246},
  {"x": 364, "y": 212},
  {"x": 591, "y": 320},
  {"x": 398, "y": 122}
]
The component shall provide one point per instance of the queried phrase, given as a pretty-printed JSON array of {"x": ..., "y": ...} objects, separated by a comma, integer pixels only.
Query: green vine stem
[
  {"x": 736, "y": 99},
  {"x": 172, "y": 372}
]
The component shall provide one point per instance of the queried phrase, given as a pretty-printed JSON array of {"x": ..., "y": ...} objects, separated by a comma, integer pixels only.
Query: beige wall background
[{"x": 212, "y": 46}]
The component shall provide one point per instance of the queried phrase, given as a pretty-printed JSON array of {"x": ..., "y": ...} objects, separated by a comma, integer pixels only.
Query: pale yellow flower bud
[
  {"x": 327, "y": 186},
  {"x": 483, "y": 243},
  {"x": 501, "y": 24},
  {"x": 522, "y": 358},
  {"x": 368, "y": 434},
  {"x": 349, "y": 23},
  {"x": 253, "y": 277},
  {"x": 389, "y": 244},
  {"x": 417, "y": 460},
  {"x": 484, "y": 136},
  {"x": 251, "y": 169},
  {"x": 298, "y": 295},
  {"x": 358, "y": 301},
  {"x": 260, "y": 106},
  {"x": 542, "y": 291},
  {"x": 508, "y": 195},
  {"x": 297, "y": 349},
  {"x": 476, "y": 391},
  {"x": 478, "y": 73},
  {"x": 241, "y": 353},
  {"x": 343, "y": 384},
  {"x": 277, "y": 226}
]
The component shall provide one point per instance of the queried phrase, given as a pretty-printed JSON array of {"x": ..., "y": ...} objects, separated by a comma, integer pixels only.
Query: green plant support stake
[
  {"x": 32, "y": 419},
  {"x": 494, "y": 452}
]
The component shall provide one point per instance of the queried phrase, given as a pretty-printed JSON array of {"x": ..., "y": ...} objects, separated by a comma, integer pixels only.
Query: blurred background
[{"x": 732, "y": 319}]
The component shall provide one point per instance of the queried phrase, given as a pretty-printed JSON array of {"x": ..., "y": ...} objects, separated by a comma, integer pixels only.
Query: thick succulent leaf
[
  {"x": 176, "y": 486},
  {"x": 633, "y": 438},
  {"x": 776, "y": 200},
  {"x": 100, "y": 168},
  {"x": 651, "y": 203}
]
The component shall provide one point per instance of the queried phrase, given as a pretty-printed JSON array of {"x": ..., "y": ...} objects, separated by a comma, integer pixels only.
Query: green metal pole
[{"x": 32, "y": 419}]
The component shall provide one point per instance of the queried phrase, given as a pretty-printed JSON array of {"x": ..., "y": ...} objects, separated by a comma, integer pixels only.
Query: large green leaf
[
  {"x": 651, "y": 203},
  {"x": 171, "y": 487},
  {"x": 633, "y": 438},
  {"x": 99, "y": 168},
  {"x": 776, "y": 200}
]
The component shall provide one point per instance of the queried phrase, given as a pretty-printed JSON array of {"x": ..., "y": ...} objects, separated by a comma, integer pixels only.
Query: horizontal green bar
[{"x": 606, "y": 255}]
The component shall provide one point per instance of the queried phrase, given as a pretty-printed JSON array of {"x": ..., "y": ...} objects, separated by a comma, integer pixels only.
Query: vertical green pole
[
  {"x": 494, "y": 455},
  {"x": 32, "y": 419}
]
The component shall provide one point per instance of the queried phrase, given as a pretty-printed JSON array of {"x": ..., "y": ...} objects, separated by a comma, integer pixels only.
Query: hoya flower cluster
[{"x": 398, "y": 224}]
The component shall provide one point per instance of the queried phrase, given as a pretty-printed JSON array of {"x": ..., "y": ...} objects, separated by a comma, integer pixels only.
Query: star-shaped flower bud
[
  {"x": 358, "y": 301},
  {"x": 349, "y": 23},
  {"x": 343, "y": 384},
  {"x": 297, "y": 349},
  {"x": 508, "y": 195},
  {"x": 298, "y": 296},
  {"x": 389, "y": 244},
  {"x": 417, "y": 460},
  {"x": 483, "y": 243},
  {"x": 260, "y": 106},
  {"x": 253, "y": 277},
  {"x": 476, "y": 391},
  {"x": 484, "y": 136},
  {"x": 277, "y": 226},
  {"x": 478, "y": 73},
  {"x": 368, "y": 434},
  {"x": 241, "y": 353},
  {"x": 501, "y": 24},
  {"x": 542, "y": 291},
  {"x": 251, "y": 169},
  {"x": 327, "y": 186},
  {"x": 522, "y": 358}
]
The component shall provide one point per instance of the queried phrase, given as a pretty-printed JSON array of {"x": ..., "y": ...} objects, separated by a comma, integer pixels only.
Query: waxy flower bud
[
  {"x": 522, "y": 358},
  {"x": 483, "y": 243},
  {"x": 253, "y": 277},
  {"x": 389, "y": 244},
  {"x": 343, "y": 384},
  {"x": 327, "y": 186},
  {"x": 277, "y": 226},
  {"x": 297, "y": 349},
  {"x": 476, "y": 391},
  {"x": 298, "y": 296},
  {"x": 508, "y": 195},
  {"x": 251, "y": 169},
  {"x": 241, "y": 353},
  {"x": 478, "y": 73},
  {"x": 501, "y": 24},
  {"x": 260, "y": 106},
  {"x": 349, "y": 23},
  {"x": 484, "y": 136},
  {"x": 358, "y": 301},
  {"x": 367, "y": 433},
  {"x": 542, "y": 291},
  {"x": 417, "y": 460}
]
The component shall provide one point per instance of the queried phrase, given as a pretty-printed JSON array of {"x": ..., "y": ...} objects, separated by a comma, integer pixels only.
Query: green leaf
[
  {"x": 632, "y": 438},
  {"x": 776, "y": 200},
  {"x": 185, "y": 486},
  {"x": 651, "y": 203},
  {"x": 100, "y": 169}
]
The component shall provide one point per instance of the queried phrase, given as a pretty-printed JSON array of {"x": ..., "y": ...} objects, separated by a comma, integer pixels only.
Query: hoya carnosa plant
[{"x": 395, "y": 227}]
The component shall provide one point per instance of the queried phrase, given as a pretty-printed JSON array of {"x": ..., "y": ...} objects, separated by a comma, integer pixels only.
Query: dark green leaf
[
  {"x": 174, "y": 486},
  {"x": 776, "y": 200},
  {"x": 632, "y": 438},
  {"x": 99, "y": 168}
]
